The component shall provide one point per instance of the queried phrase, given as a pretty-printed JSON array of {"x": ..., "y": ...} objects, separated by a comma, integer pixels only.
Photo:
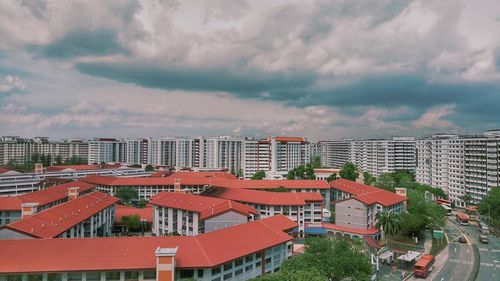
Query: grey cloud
[{"x": 80, "y": 43}]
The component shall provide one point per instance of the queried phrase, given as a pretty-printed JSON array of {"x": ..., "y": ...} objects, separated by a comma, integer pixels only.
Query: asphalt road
[
  {"x": 460, "y": 261},
  {"x": 489, "y": 268}
]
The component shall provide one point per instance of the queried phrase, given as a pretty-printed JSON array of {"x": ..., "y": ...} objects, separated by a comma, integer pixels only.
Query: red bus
[
  {"x": 441, "y": 201},
  {"x": 462, "y": 218},
  {"x": 423, "y": 266}
]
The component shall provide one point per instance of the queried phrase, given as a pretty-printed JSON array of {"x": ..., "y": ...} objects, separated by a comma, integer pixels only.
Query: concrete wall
[
  {"x": 351, "y": 213},
  {"x": 6, "y": 233},
  {"x": 224, "y": 220}
]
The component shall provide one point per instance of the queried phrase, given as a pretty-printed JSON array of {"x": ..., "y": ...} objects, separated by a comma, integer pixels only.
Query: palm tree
[{"x": 388, "y": 222}]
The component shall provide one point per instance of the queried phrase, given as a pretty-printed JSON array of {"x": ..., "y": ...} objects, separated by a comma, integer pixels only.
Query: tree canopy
[
  {"x": 389, "y": 222},
  {"x": 368, "y": 179},
  {"x": 149, "y": 168},
  {"x": 331, "y": 177},
  {"x": 325, "y": 259},
  {"x": 132, "y": 222},
  {"x": 490, "y": 206},
  {"x": 349, "y": 172},
  {"x": 259, "y": 175},
  {"x": 302, "y": 172},
  {"x": 126, "y": 194}
]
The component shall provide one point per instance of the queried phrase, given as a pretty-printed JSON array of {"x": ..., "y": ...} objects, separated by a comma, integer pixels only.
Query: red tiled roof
[
  {"x": 206, "y": 206},
  {"x": 54, "y": 221},
  {"x": 129, "y": 253},
  {"x": 121, "y": 211},
  {"x": 151, "y": 181},
  {"x": 3, "y": 170},
  {"x": 83, "y": 167},
  {"x": 367, "y": 194},
  {"x": 43, "y": 196},
  {"x": 332, "y": 226},
  {"x": 265, "y": 197},
  {"x": 273, "y": 184},
  {"x": 289, "y": 139}
]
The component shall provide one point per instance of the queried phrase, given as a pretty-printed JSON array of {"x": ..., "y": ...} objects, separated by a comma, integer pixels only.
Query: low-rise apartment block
[
  {"x": 187, "y": 214},
  {"x": 240, "y": 252},
  {"x": 90, "y": 215}
]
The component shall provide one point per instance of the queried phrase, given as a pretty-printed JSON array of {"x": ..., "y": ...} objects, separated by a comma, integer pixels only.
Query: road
[
  {"x": 490, "y": 255},
  {"x": 460, "y": 261}
]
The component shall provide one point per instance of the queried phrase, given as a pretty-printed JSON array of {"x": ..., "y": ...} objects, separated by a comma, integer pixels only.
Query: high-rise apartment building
[
  {"x": 107, "y": 150},
  {"x": 460, "y": 165},
  {"x": 334, "y": 154},
  {"x": 19, "y": 150},
  {"x": 256, "y": 156},
  {"x": 136, "y": 151}
]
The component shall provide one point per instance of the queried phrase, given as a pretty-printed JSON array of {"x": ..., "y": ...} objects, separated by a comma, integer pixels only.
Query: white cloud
[
  {"x": 11, "y": 83},
  {"x": 434, "y": 118}
]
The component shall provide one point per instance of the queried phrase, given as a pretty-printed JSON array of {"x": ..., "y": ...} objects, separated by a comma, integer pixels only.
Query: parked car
[
  {"x": 483, "y": 239},
  {"x": 462, "y": 239}
]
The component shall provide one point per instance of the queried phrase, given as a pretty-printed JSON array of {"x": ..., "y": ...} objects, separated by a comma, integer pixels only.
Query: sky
[{"x": 320, "y": 69}]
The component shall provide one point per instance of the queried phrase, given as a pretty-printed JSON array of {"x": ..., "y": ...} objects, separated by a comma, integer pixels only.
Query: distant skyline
[{"x": 322, "y": 69}]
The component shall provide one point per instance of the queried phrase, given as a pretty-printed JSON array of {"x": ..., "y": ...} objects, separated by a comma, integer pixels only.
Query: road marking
[
  {"x": 495, "y": 251},
  {"x": 483, "y": 249},
  {"x": 467, "y": 251},
  {"x": 455, "y": 249}
]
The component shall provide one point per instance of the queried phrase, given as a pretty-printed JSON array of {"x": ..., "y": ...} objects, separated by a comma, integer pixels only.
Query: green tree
[
  {"x": 489, "y": 206},
  {"x": 427, "y": 211},
  {"x": 35, "y": 157},
  {"x": 126, "y": 194},
  {"x": 302, "y": 173},
  {"x": 388, "y": 222},
  {"x": 325, "y": 259},
  {"x": 132, "y": 222},
  {"x": 368, "y": 178},
  {"x": 412, "y": 224},
  {"x": 349, "y": 172},
  {"x": 149, "y": 168},
  {"x": 259, "y": 175},
  {"x": 142, "y": 203},
  {"x": 58, "y": 160},
  {"x": 467, "y": 198},
  {"x": 331, "y": 177},
  {"x": 316, "y": 162}
]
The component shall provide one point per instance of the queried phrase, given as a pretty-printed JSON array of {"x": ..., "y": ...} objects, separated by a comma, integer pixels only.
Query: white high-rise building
[
  {"x": 107, "y": 150},
  {"x": 334, "y": 154},
  {"x": 137, "y": 151},
  {"x": 256, "y": 156},
  {"x": 162, "y": 152},
  {"x": 460, "y": 165},
  {"x": 287, "y": 153}
]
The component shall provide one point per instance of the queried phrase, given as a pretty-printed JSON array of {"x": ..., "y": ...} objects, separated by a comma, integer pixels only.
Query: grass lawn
[{"x": 401, "y": 245}]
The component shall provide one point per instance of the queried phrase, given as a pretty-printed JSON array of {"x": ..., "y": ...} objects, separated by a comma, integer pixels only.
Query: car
[
  {"x": 483, "y": 239},
  {"x": 462, "y": 239}
]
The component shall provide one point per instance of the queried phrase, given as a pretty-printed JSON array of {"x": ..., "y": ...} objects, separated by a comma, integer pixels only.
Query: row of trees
[
  {"x": 46, "y": 160},
  {"x": 489, "y": 207},
  {"x": 325, "y": 259}
]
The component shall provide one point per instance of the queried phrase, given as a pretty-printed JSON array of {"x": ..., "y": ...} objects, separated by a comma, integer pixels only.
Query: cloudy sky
[{"x": 322, "y": 69}]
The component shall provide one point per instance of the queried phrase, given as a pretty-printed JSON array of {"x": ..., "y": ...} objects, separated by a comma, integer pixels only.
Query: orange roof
[
  {"x": 121, "y": 211},
  {"x": 56, "y": 220},
  {"x": 332, "y": 226},
  {"x": 265, "y": 197},
  {"x": 207, "y": 207},
  {"x": 43, "y": 196},
  {"x": 367, "y": 194},
  {"x": 3, "y": 170},
  {"x": 83, "y": 167},
  {"x": 273, "y": 184},
  {"x": 142, "y": 181},
  {"x": 129, "y": 253},
  {"x": 289, "y": 139}
]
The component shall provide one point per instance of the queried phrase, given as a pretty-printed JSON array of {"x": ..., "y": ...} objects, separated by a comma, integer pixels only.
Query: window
[
  {"x": 238, "y": 272},
  {"x": 113, "y": 276},
  {"x": 268, "y": 260},
  {"x": 149, "y": 274},
  {"x": 228, "y": 266},
  {"x": 258, "y": 255},
  {"x": 200, "y": 273},
  {"x": 228, "y": 276},
  {"x": 187, "y": 273},
  {"x": 215, "y": 270},
  {"x": 35, "y": 277},
  {"x": 238, "y": 262},
  {"x": 249, "y": 258},
  {"x": 54, "y": 277},
  {"x": 131, "y": 275},
  {"x": 93, "y": 276},
  {"x": 249, "y": 267},
  {"x": 75, "y": 276},
  {"x": 14, "y": 277},
  {"x": 257, "y": 264}
]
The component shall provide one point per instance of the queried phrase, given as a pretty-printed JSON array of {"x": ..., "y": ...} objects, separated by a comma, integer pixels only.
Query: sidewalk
[{"x": 441, "y": 258}]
